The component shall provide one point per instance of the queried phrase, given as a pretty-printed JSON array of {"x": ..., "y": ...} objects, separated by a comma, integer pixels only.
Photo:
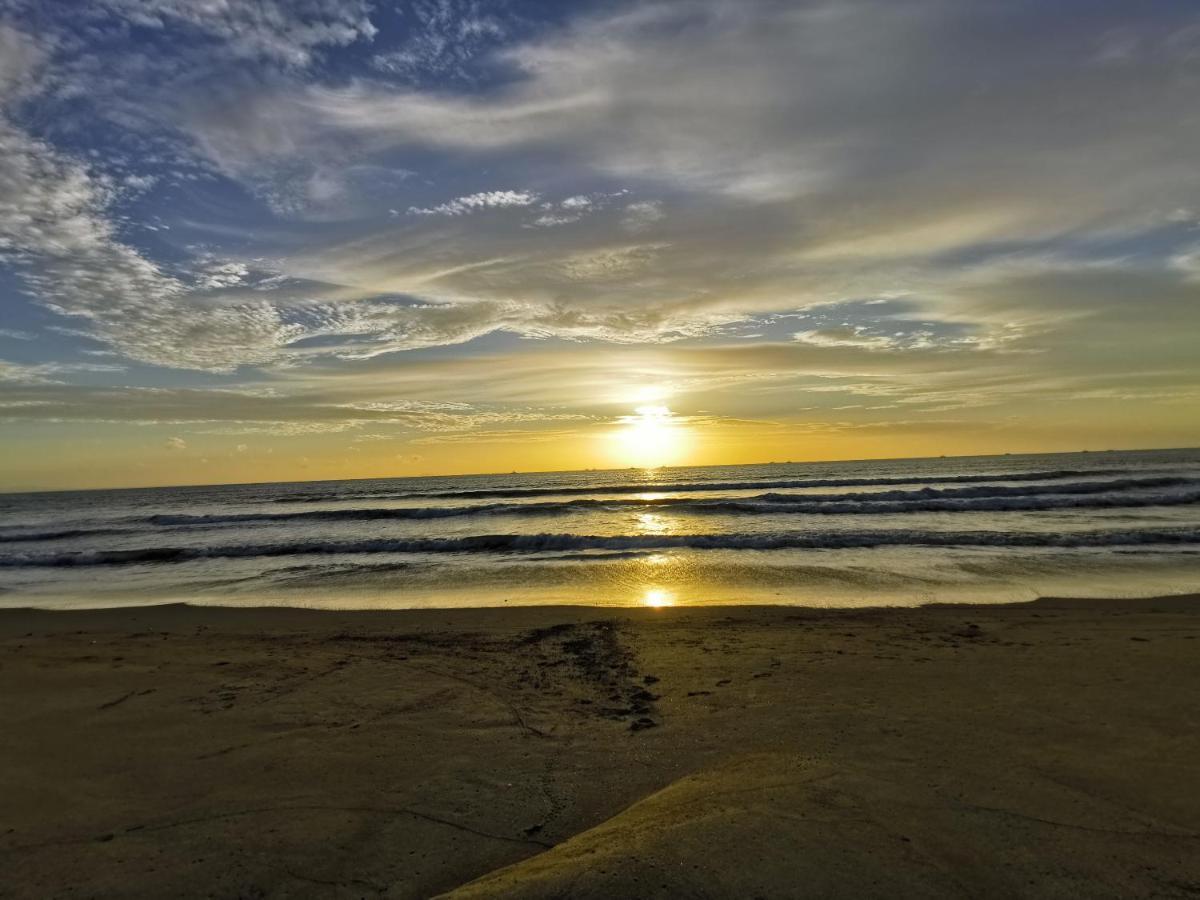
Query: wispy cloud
[
  {"x": 443, "y": 38},
  {"x": 574, "y": 208},
  {"x": 461, "y": 206},
  {"x": 282, "y": 31}
]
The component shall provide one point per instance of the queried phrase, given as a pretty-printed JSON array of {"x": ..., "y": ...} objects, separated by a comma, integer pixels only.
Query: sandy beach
[{"x": 1045, "y": 749}]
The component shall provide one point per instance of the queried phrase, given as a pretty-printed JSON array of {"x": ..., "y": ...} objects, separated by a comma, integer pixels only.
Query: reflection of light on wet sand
[{"x": 657, "y": 597}]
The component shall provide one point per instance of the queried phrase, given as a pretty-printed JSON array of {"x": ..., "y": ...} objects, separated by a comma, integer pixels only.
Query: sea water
[{"x": 879, "y": 532}]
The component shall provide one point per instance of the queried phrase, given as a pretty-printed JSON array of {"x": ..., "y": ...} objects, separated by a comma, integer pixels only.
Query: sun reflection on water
[{"x": 652, "y": 523}]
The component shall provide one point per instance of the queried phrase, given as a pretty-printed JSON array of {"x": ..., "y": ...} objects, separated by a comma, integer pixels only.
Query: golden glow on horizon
[
  {"x": 689, "y": 429},
  {"x": 651, "y": 438}
]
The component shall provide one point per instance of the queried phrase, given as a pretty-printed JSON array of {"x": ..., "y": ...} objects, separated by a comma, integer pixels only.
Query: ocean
[{"x": 876, "y": 532}]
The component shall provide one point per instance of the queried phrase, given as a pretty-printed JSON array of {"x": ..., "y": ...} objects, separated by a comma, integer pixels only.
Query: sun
[
  {"x": 657, "y": 598},
  {"x": 653, "y": 436}
]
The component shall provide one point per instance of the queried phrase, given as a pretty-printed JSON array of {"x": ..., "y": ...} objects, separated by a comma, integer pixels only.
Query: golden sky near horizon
[{"x": 665, "y": 414}]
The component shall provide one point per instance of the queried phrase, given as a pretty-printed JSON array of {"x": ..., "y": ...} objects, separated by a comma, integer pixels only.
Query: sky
[{"x": 264, "y": 240}]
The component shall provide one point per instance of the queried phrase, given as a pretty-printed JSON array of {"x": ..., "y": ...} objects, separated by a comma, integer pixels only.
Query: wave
[
  {"x": 991, "y": 490},
  {"x": 990, "y": 498},
  {"x": 988, "y": 504},
  {"x": 682, "y": 487},
  {"x": 59, "y": 535},
  {"x": 561, "y": 543}
]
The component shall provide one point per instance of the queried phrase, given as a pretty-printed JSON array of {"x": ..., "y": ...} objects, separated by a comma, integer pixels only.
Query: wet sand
[{"x": 1046, "y": 749}]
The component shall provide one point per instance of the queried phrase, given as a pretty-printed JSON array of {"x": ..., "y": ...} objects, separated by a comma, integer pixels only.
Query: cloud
[
  {"x": 476, "y": 202},
  {"x": 919, "y": 109},
  {"x": 498, "y": 436},
  {"x": 551, "y": 220},
  {"x": 50, "y": 372},
  {"x": 285, "y": 409},
  {"x": 640, "y": 216},
  {"x": 845, "y": 336},
  {"x": 23, "y": 374},
  {"x": 55, "y": 231},
  {"x": 221, "y": 274},
  {"x": 444, "y": 37},
  {"x": 21, "y": 61},
  {"x": 321, "y": 189},
  {"x": 613, "y": 263},
  {"x": 455, "y": 417},
  {"x": 574, "y": 208},
  {"x": 286, "y": 32},
  {"x": 1188, "y": 262}
]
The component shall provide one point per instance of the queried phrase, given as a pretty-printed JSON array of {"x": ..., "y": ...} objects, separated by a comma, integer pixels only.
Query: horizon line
[{"x": 809, "y": 462}]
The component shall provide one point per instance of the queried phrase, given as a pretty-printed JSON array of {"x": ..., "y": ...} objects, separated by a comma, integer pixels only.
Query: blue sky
[{"x": 242, "y": 240}]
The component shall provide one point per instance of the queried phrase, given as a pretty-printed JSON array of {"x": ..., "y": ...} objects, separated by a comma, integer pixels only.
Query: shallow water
[{"x": 848, "y": 533}]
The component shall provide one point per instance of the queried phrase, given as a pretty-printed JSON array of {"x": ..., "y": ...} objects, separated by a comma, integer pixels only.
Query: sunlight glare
[
  {"x": 650, "y": 438},
  {"x": 657, "y": 597}
]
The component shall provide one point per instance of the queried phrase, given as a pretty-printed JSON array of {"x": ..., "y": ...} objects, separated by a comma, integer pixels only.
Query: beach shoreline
[{"x": 1039, "y": 749}]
